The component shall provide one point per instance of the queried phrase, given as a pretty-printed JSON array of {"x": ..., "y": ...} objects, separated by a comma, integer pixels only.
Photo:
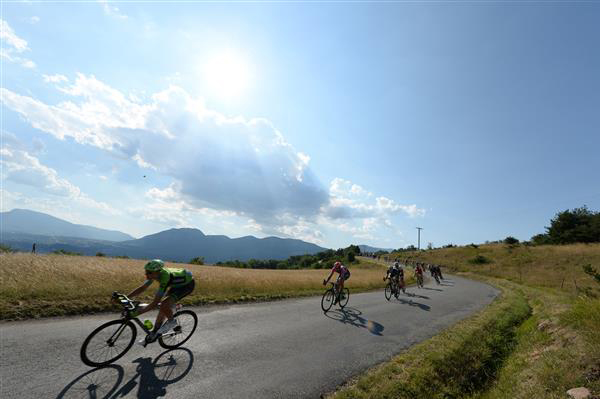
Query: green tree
[
  {"x": 510, "y": 240},
  {"x": 199, "y": 260}
]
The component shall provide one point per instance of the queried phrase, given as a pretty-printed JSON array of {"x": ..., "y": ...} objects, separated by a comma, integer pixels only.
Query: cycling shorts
[
  {"x": 344, "y": 276},
  {"x": 177, "y": 293}
]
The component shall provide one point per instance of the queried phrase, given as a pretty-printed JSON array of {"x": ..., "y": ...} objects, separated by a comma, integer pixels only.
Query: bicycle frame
[{"x": 129, "y": 305}]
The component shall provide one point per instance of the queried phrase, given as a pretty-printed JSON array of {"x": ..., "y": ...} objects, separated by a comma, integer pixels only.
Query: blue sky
[{"x": 335, "y": 123}]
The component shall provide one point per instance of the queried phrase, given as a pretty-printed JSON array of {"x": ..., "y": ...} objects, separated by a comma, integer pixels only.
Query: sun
[{"x": 228, "y": 75}]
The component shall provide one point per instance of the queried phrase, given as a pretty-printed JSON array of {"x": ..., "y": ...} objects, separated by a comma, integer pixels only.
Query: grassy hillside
[
  {"x": 548, "y": 266},
  {"x": 47, "y": 285},
  {"x": 540, "y": 338}
]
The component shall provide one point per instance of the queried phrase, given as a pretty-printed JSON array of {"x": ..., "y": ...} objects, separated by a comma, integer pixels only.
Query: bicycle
[
  {"x": 419, "y": 278},
  {"x": 392, "y": 288},
  {"x": 331, "y": 296},
  {"x": 113, "y": 339},
  {"x": 436, "y": 277}
]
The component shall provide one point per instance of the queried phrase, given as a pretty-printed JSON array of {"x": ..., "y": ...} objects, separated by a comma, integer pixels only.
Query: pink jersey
[{"x": 341, "y": 269}]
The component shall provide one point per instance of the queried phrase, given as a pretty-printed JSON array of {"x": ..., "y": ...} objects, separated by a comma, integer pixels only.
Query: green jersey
[{"x": 171, "y": 278}]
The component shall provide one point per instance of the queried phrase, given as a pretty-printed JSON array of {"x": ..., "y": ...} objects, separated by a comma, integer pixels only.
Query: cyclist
[
  {"x": 419, "y": 272},
  {"x": 438, "y": 271},
  {"x": 393, "y": 273},
  {"x": 344, "y": 274},
  {"x": 178, "y": 282}
]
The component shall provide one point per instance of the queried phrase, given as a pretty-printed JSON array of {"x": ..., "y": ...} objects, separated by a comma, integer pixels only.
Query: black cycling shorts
[
  {"x": 345, "y": 276},
  {"x": 177, "y": 293}
]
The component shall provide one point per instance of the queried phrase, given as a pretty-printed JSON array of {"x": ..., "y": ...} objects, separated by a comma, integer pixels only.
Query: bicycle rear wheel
[
  {"x": 327, "y": 300},
  {"x": 388, "y": 291},
  {"x": 108, "y": 343},
  {"x": 344, "y": 296},
  {"x": 186, "y": 325}
]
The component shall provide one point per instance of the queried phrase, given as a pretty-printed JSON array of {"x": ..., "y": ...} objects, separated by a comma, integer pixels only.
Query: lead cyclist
[{"x": 178, "y": 282}]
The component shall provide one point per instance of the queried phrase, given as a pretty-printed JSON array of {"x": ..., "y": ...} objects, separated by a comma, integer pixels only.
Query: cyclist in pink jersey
[{"x": 344, "y": 274}]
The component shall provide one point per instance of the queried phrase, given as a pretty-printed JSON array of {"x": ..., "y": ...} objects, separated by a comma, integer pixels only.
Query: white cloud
[
  {"x": 229, "y": 164},
  {"x": 9, "y": 37},
  {"x": 168, "y": 207},
  {"x": 231, "y": 168},
  {"x": 54, "y": 78},
  {"x": 23, "y": 168},
  {"x": 349, "y": 200},
  {"x": 14, "y": 45},
  {"x": 34, "y": 20},
  {"x": 111, "y": 10},
  {"x": 20, "y": 167}
]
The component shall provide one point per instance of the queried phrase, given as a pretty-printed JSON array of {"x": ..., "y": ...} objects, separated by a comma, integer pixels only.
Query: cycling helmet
[
  {"x": 154, "y": 265},
  {"x": 396, "y": 265},
  {"x": 337, "y": 264}
]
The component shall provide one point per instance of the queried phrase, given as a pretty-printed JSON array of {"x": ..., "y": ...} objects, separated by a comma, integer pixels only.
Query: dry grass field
[{"x": 47, "y": 285}]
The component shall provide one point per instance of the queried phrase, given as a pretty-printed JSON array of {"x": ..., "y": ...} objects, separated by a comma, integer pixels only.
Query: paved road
[{"x": 284, "y": 349}]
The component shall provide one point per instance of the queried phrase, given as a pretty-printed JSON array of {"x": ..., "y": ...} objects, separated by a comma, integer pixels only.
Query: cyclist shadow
[
  {"x": 432, "y": 289},
  {"x": 410, "y": 302},
  {"x": 105, "y": 382},
  {"x": 352, "y": 316},
  {"x": 412, "y": 294}
]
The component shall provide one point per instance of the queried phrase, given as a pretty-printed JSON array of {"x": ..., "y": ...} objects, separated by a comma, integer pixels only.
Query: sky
[{"x": 336, "y": 123}]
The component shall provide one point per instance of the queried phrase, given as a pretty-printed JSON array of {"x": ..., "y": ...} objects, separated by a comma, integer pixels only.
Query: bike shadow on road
[
  {"x": 414, "y": 295},
  {"x": 447, "y": 283},
  {"x": 352, "y": 316},
  {"x": 432, "y": 289},
  {"x": 151, "y": 377},
  {"x": 410, "y": 302}
]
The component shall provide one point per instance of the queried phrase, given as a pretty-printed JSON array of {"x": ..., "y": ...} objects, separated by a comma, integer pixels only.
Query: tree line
[{"x": 320, "y": 260}]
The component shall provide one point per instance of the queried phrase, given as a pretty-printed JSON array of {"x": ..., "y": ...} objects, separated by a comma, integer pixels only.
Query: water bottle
[{"x": 148, "y": 324}]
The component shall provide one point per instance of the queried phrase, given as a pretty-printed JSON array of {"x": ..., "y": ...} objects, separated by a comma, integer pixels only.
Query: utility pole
[{"x": 419, "y": 243}]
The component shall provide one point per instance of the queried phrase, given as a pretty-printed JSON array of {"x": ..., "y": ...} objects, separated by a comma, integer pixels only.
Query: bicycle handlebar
[{"x": 127, "y": 303}]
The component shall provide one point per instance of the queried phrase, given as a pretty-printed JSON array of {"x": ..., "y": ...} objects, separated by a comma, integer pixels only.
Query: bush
[
  {"x": 100, "y": 254},
  {"x": 510, "y": 240},
  {"x": 198, "y": 260},
  {"x": 588, "y": 269},
  {"x": 122, "y": 257},
  {"x": 541, "y": 239},
  {"x": 479, "y": 260},
  {"x": 65, "y": 252},
  {"x": 6, "y": 248}
]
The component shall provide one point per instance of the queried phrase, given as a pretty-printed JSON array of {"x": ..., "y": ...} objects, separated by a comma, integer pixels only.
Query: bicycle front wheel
[
  {"x": 344, "y": 296},
  {"x": 327, "y": 300},
  {"x": 186, "y": 325},
  {"x": 388, "y": 291},
  {"x": 108, "y": 343}
]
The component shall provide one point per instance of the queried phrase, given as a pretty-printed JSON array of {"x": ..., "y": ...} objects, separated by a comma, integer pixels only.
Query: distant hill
[
  {"x": 179, "y": 245},
  {"x": 367, "y": 248},
  {"x": 31, "y": 222}
]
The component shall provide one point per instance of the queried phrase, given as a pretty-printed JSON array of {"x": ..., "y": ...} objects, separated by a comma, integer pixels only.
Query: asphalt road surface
[{"x": 282, "y": 349}]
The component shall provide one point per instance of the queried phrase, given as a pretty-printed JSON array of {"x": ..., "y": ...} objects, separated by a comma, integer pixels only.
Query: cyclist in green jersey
[{"x": 174, "y": 283}]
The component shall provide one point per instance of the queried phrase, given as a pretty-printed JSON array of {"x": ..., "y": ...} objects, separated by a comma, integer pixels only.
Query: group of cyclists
[
  {"x": 174, "y": 284},
  {"x": 395, "y": 273}
]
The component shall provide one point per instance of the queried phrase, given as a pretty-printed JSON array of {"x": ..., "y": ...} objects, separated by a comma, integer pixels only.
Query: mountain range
[{"x": 20, "y": 228}]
